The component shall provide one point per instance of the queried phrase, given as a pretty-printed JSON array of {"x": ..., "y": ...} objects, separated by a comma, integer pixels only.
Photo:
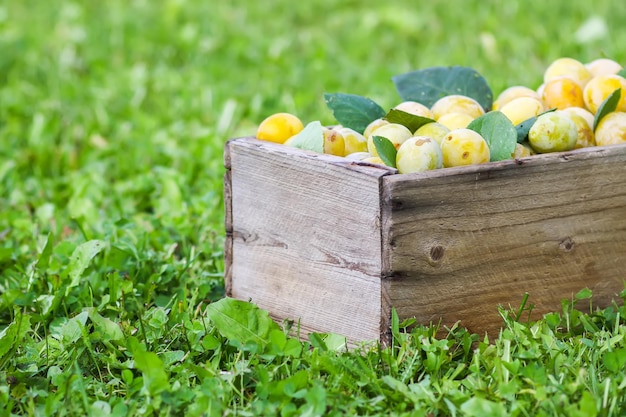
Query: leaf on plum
[
  {"x": 607, "y": 106},
  {"x": 408, "y": 120},
  {"x": 428, "y": 85},
  {"x": 386, "y": 151},
  {"x": 524, "y": 127},
  {"x": 499, "y": 133},
  {"x": 353, "y": 111},
  {"x": 311, "y": 138}
]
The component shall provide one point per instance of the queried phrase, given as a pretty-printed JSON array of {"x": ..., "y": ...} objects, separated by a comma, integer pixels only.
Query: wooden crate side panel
[
  {"x": 228, "y": 224},
  {"x": 306, "y": 238},
  {"x": 460, "y": 245}
]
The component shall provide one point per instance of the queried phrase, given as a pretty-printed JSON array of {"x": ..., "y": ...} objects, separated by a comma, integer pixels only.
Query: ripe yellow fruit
[
  {"x": 464, "y": 147},
  {"x": 374, "y": 124},
  {"x": 600, "y": 88},
  {"x": 521, "y": 151},
  {"x": 603, "y": 66},
  {"x": 334, "y": 143},
  {"x": 353, "y": 140},
  {"x": 586, "y": 137},
  {"x": 522, "y": 108},
  {"x": 568, "y": 67},
  {"x": 455, "y": 120},
  {"x": 562, "y": 92},
  {"x": 553, "y": 132},
  {"x": 582, "y": 112},
  {"x": 456, "y": 103},
  {"x": 512, "y": 93},
  {"x": 374, "y": 160},
  {"x": 612, "y": 129},
  {"x": 358, "y": 156},
  {"x": 279, "y": 127},
  {"x": 415, "y": 108},
  {"x": 418, "y": 154},
  {"x": 395, "y": 132},
  {"x": 434, "y": 130}
]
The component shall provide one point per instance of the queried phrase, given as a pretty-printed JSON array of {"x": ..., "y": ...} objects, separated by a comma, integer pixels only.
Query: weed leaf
[
  {"x": 608, "y": 105},
  {"x": 81, "y": 258},
  {"x": 615, "y": 360},
  {"x": 353, "y": 111},
  {"x": 428, "y": 85},
  {"x": 480, "y": 407},
  {"x": 386, "y": 151},
  {"x": 155, "y": 378},
  {"x": 241, "y": 321},
  {"x": 44, "y": 258},
  {"x": 499, "y": 133},
  {"x": 109, "y": 330},
  {"x": 12, "y": 335}
]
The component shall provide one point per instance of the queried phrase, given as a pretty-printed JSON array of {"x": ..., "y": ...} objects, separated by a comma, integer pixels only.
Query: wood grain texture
[
  {"x": 306, "y": 237},
  {"x": 228, "y": 224},
  {"x": 458, "y": 242}
]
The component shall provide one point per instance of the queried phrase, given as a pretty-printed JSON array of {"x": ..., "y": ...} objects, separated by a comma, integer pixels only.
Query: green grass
[{"x": 113, "y": 117}]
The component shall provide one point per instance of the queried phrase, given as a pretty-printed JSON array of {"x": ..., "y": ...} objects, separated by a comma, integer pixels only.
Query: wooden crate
[{"x": 335, "y": 244}]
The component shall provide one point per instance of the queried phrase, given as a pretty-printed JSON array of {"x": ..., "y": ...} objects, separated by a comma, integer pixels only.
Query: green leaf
[
  {"x": 480, "y": 407},
  {"x": 386, "y": 151},
  {"x": 608, "y": 105},
  {"x": 332, "y": 342},
  {"x": 12, "y": 335},
  {"x": 311, "y": 138},
  {"x": 615, "y": 361},
  {"x": 583, "y": 294},
  {"x": 410, "y": 121},
  {"x": 498, "y": 131},
  {"x": 524, "y": 127},
  {"x": 81, "y": 258},
  {"x": 44, "y": 258},
  {"x": 353, "y": 111},
  {"x": 428, "y": 85},
  {"x": 72, "y": 329},
  {"x": 109, "y": 329},
  {"x": 241, "y": 321},
  {"x": 155, "y": 378},
  {"x": 622, "y": 72}
]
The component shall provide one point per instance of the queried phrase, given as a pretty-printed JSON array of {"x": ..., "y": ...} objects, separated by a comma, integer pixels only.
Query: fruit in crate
[
  {"x": 279, "y": 127},
  {"x": 456, "y": 103},
  {"x": 600, "y": 88},
  {"x": 522, "y": 108},
  {"x": 447, "y": 117},
  {"x": 464, "y": 147},
  {"x": 612, "y": 129},
  {"x": 562, "y": 92},
  {"x": 567, "y": 67},
  {"x": 419, "y": 154},
  {"x": 433, "y": 130},
  {"x": 513, "y": 92},
  {"x": 603, "y": 66},
  {"x": 394, "y": 132},
  {"x": 553, "y": 132}
]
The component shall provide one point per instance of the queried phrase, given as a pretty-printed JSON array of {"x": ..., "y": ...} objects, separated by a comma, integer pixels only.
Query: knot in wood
[
  {"x": 566, "y": 244},
  {"x": 436, "y": 253}
]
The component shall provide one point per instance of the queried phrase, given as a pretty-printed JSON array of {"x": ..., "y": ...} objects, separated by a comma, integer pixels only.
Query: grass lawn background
[{"x": 113, "y": 117}]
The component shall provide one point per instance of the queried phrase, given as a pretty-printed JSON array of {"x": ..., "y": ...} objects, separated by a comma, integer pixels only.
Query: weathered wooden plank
[
  {"x": 459, "y": 242},
  {"x": 228, "y": 224},
  {"x": 306, "y": 237}
]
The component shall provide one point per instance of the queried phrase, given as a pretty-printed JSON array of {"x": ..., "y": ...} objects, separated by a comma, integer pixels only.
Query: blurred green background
[{"x": 113, "y": 119}]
